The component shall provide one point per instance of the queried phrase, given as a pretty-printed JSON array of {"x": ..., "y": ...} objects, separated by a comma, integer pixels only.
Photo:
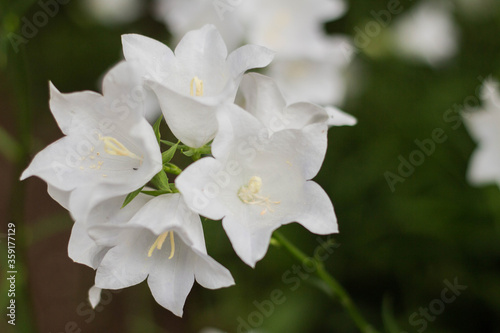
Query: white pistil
[
  {"x": 159, "y": 243},
  {"x": 196, "y": 87},
  {"x": 249, "y": 194}
]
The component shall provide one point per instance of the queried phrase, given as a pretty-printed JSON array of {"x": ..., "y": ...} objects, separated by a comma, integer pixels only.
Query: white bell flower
[
  {"x": 255, "y": 182},
  {"x": 192, "y": 83},
  {"x": 182, "y": 16},
  {"x": 109, "y": 149},
  {"x": 163, "y": 242},
  {"x": 484, "y": 127}
]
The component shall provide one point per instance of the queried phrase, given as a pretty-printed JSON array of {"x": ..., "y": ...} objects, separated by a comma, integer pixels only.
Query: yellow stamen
[
  {"x": 172, "y": 245},
  {"x": 114, "y": 147},
  {"x": 198, "y": 85},
  {"x": 159, "y": 243},
  {"x": 249, "y": 194}
]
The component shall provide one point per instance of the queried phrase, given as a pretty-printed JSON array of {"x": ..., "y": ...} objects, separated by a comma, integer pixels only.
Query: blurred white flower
[
  {"x": 109, "y": 149},
  {"x": 182, "y": 16},
  {"x": 292, "y": 28},
  {"x": 427, "y": 33},
  {"x": 484, "y": 127},
  {"x": 318, "y": 77},
  {"x": 112, "y": 12},
  {"x": 192, "y": 83},
  {"x": 256, "y": 183}
]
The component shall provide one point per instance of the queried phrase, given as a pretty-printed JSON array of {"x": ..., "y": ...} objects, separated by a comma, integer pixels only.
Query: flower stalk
[{"x": 338, "y": 292}]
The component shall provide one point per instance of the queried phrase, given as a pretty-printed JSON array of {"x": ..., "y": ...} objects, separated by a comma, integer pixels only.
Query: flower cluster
[{"x": 253, "y": 164}]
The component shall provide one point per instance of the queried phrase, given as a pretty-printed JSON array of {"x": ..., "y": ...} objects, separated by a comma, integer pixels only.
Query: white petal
[
  {"x": 58, "y": 165},
  {"x": 191, "y": 120},
  {"x": 338, "y": 117},
  {"x": 142, "y": 48},
  {"x": 169, "y": 212},
  {"x": 65, "y": 107},
  {"x": 62, "y": 197},
  {"x": 210, "y": 274},
  {"x": 237, "y": 128},
  {"x": 127, "y": 263},
  {"x": 201, "y": 190},
  {"x": 171, "y": 280},
  {"x": 249, "y": 242},
  {"x": 484, "y": 166},
  {"x": 247, "y": 57},
  {"x": 263, "y": 98},
  {"x": 94, "y": 296},
  {"x": 316, "y": 211},
  {"x": 205, "y": 44},
  {"x": 83, "y": 249}
]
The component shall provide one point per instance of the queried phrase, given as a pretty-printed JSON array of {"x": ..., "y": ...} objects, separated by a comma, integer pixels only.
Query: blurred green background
[{"x": 396, "y": 249}]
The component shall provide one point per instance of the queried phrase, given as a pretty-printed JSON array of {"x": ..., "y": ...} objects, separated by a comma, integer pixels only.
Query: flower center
[
  {"x": 114, "y": 147},
  {"x": 159, "y": 243},
  {"x": 196, "y": 87},
  {"x": 249, "y": 194}
]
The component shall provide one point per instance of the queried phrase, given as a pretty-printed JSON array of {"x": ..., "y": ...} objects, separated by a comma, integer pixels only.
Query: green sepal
[
  {"x": 160, "y": 181},
  {"x": 172, "y": 168},
  {"x": 131, "y": 196},
  {"x": 156, "y": 128},
  {"x": 169, "y": 154}
]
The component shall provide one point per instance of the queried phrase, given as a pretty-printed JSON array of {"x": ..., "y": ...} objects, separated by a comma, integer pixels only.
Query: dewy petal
[{"x": 338, "y": 117}]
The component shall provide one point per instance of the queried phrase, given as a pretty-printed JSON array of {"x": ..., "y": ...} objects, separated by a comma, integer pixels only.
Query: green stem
[
  {"x": 171, "y": 144},
  {"x": 335, "y": 287}
]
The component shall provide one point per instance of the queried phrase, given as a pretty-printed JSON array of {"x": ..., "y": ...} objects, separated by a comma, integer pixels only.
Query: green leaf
[
  {"x": 169, "y": 154},
  {"x": 160, "y": 181},
  {"x": 131, "y": 196},
  {"x": 9, "y": 147},
  {"x": 156, "y": 128},
  {"x": 188, "y": 152},
  {"x": 156, "y": 193}
]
